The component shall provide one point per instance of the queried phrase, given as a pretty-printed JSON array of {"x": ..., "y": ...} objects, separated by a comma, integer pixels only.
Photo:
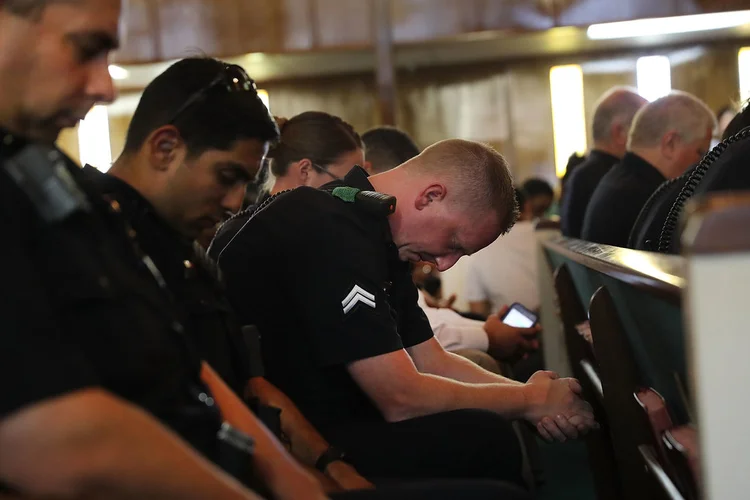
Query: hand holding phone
[
  {"x": 512, "y": 333},
  {"x": 519, "y": 316}
]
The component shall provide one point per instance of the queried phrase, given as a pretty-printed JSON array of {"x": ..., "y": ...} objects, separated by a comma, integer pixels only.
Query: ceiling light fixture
[{"x": 669, "y": 25}]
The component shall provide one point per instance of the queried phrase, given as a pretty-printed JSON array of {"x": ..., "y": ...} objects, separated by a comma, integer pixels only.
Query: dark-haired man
[
  {"x": 540, "y": 196},
  {"x": 92, "y": 354},
  {"x": 387, "y": 148},
  {"x": 183, "y": 167}
]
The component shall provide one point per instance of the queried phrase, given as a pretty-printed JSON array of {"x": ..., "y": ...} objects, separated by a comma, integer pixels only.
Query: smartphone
[{"x": 519, "y": 317}]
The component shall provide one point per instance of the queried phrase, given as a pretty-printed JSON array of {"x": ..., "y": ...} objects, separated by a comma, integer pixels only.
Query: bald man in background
[{"x": 613, "y": 116}]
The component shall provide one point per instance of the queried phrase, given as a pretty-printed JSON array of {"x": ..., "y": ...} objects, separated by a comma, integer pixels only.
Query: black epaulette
[
  {"x": 42, "y": 174},
  {"x": 370, "y": 201}
]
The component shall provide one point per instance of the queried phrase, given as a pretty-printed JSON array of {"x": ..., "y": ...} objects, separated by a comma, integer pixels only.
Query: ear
[
  {"x": 164, "y": 145},
  {"x": 619, "y": 133},
  {"x": 432, "y": 193},
  {"x": 669, "y": 143},
  {"x": 305, "y": 169},
  {"x": 368, "y": 167}
]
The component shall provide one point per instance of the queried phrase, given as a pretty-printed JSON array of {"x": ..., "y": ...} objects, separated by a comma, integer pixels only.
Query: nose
[
  {"x": 232, "y": 201},
  {"x": 446, "y": 262},
  {"x": 100, "y": 85}
]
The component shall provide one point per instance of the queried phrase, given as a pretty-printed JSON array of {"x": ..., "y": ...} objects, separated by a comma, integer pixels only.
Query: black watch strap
[{"x": 330, "y": 455}]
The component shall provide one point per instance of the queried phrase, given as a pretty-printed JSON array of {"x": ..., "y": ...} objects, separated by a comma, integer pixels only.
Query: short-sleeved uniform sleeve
[
  {"x": 341, "y": 292},
  {"x": 36, "y": 362},
  {"x": 412, "y": 322}
]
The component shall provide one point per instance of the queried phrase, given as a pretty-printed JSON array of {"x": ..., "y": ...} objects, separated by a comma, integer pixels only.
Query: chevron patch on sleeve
[{"x": 357, "y": 295}]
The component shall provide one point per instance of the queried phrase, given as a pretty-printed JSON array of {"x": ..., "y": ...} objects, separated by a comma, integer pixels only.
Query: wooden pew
[
  {"x": 585, "y": 368},
  {"x": 635, "y": 315}
]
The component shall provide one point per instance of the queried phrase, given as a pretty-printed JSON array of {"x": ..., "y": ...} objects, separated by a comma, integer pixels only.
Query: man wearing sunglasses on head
[{"x": 195, "y": 141}]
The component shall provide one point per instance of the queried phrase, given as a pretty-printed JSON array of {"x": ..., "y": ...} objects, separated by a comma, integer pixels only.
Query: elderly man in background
[
  {"x": 613, "y": 115},
  {"x": 668, "y": 136}
]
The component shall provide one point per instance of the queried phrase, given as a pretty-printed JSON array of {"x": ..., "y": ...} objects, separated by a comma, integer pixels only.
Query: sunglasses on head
[
  {"x": 267, "y": 163},
  {"x": 232, "y": 78}
]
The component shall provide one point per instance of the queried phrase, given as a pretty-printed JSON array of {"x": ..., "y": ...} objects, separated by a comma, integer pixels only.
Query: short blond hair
[
  {"x": 480, "y": 174},
  {"x": 679, "y": 112}
]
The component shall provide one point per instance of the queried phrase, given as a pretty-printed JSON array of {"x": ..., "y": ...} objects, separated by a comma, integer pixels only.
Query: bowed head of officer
[{"x": 448, "y": 208}]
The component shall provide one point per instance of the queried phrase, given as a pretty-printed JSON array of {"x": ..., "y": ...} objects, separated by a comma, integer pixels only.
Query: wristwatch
[{"x": 330, "y": 455}]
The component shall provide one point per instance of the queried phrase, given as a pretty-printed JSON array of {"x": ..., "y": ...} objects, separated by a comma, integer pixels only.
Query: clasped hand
[{"x": 556, "y": 407}]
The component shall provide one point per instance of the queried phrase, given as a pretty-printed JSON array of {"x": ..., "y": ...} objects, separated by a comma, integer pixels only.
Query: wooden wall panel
[
  {"x": 166, "y": 29},
  {"x": 695, "y": 6},
  {"x": 140, "y": 26},
  {"x": 713, "y": 77},
  {"x": 351, "y": 97},
  {"x": 195, "y": 26},
  {"x": 585, "y": 12},
  {"x": 511, "y": 14},
  {"x": 294, "y": 24},
  {"x": 419, "y": 20},
  {"x": 470, "y": 104},
  {"x": 263, "y": 26},
  {"x": 342, "y": 24},
  {"x": 531, "y": 121}
]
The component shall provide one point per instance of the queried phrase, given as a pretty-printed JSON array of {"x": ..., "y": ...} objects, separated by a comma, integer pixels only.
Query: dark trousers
[
  {"x": 461, "y": 444},
  {"x": 439, "y": 490}
]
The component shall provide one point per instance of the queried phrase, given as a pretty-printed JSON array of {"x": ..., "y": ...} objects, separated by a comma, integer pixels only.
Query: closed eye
[{"x": 92, "y": 45}]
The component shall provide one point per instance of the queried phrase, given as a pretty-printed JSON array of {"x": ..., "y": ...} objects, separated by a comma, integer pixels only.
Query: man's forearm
[
  {"x": 431, "y": 358},
  {"x": 306, "y": 442},
  {"x": 269, "y": 456},
  {"x": 463, "y": 370},
  {"x": 92, "y": 445},
  {"x": 432, "y": 394}
]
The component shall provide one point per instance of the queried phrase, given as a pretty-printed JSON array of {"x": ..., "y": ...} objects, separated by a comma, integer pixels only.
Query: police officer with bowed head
[
  {"x": 103, "y": 393},
  {"x": 343, "y": 334},
  {"x": 195, "y": 140}
]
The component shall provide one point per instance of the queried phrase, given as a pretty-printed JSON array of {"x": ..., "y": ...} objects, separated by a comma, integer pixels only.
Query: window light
[
  {"x": 668, "y": 25},
  {"x": 93, "y": 139},
  {"x": 263, "y": 94},
  {"x": 568, "y": 114},
  {"x": 117, "y": 72},
  {"x": 744, "y": 65},
  {"x": 654, "y": 77}
]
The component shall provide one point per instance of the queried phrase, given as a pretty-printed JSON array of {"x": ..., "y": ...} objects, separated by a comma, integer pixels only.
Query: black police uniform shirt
[
  {"x": 619, "y": 198},
  {"x": 579, "y": 189},
  {"x": 193, "y": 280},
  {"x": 322, "y": 280},
  {"x": 80, "y": 310}
]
